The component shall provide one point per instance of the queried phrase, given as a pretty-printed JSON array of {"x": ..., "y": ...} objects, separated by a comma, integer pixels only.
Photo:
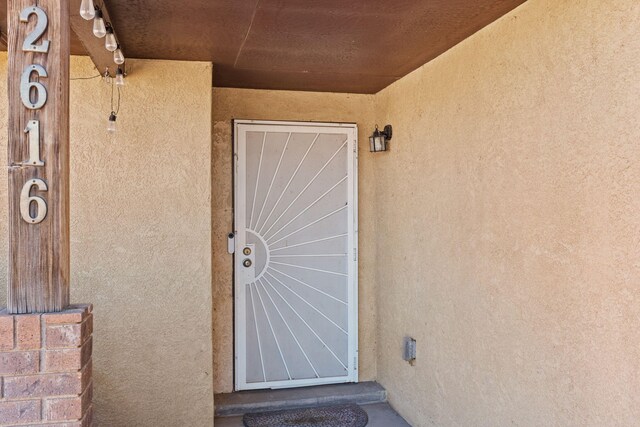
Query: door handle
[{"x": 231, "y": 243}]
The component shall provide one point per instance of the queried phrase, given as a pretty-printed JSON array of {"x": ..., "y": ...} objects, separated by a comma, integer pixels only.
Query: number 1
[{"x": 33, "y": 130}]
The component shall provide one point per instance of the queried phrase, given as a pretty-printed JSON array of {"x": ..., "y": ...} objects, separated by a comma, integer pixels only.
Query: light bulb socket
[
  {"x": 119, "y": 77},
  {"x": 98, "y": 13},
  {"x": 109, "y": 28},
  {"x": 111, "y": 124}
]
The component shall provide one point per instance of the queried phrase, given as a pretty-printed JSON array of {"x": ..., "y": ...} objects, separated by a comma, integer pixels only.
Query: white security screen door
[{"x": 295, "y": 254}]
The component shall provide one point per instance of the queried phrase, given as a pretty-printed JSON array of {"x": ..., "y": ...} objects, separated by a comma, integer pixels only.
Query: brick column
[{"x": 45, "y": 368}]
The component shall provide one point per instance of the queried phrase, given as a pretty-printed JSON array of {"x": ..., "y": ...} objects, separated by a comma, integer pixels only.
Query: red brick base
[{"x": 45, "y": 368}]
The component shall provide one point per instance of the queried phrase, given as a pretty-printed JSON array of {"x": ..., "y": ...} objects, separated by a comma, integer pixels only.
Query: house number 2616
[{"x": 33, "y": 94}]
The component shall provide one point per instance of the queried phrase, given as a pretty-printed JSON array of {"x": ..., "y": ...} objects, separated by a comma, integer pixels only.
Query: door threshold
[{"x": 244, "y": 402}]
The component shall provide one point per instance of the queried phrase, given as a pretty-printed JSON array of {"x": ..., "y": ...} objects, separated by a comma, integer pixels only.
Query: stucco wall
[
  {"x": 282, "y": 105},
  {"x": 141, "y": 239},
  {"x": 510, "y": 217}
]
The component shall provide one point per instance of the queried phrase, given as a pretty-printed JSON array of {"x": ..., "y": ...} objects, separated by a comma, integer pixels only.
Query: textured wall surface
[
  {"x": 510, "y": 223},
  {"x": 280, "y": 105},
  {"x": 141, "y": 239}
]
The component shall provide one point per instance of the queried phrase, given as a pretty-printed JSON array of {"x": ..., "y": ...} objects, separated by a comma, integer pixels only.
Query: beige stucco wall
[
  {"x": 141, "y": 239},
  {"x": 282, "y": 105},
  {"x": 510, "y": 219}
]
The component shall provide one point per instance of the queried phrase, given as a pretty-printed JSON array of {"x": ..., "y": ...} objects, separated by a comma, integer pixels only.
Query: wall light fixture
[{"x": 378, "y": 141}]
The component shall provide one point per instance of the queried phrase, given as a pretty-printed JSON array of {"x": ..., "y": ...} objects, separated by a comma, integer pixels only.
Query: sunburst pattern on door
[{"x": 296, "y": 260}]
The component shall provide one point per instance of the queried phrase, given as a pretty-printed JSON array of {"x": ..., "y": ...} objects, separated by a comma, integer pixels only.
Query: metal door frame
[{"x": 239, "y": 175}]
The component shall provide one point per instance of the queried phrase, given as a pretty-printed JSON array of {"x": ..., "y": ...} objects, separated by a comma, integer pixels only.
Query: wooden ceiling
[{"x": 358, "y": 46}]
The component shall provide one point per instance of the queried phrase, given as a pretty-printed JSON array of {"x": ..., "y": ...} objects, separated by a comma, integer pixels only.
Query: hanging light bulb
[
  {"x": 87, "y": 10},
  {"x": 110, "y": 42},
  {"x": 119, "y": 77},
  {"x": 111, "y": 126},
  {"x": 118, "y": 57},
  {"x": 99, "y": 28}
]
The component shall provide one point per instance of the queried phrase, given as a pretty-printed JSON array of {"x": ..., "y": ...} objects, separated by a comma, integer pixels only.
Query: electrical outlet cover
[{"x": 409, "y": 349}]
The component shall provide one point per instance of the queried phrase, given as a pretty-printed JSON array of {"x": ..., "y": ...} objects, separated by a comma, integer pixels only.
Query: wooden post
[{"x": 38, "y": 152}]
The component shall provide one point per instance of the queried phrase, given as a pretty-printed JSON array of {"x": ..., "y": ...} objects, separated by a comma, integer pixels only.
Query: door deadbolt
[
  {"x": 246, "y": 251},
  {"x": 247, "y": 262}
]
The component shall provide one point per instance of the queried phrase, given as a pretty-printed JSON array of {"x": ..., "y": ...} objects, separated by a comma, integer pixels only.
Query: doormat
[{"x": 328, "y": 416}]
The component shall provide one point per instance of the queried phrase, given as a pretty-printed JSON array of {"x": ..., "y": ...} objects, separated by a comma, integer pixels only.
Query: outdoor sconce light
[{"x": 378, "y": 141}]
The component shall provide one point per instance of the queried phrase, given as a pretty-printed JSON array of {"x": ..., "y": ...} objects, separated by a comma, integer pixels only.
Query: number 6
[
  {"x": 26, "y": 199},
  {"x": 26, "y": 84}
]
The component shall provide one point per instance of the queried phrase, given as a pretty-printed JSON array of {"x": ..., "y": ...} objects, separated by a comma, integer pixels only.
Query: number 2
[{"x": 42, "y": 22}]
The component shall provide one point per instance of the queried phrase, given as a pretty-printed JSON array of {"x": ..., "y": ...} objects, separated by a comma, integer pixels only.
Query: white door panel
[{"x": 296, "y": 257}]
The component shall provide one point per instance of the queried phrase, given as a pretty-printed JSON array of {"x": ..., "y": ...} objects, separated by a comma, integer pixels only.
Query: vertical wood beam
[{"x": 39, "y": 253}]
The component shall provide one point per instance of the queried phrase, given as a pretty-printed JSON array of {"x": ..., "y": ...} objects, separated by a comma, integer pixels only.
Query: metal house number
[{"x": 33, "y": 94}]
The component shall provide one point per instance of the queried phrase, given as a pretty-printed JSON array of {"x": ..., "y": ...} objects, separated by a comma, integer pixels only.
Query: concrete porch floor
[
  {"x": 371, "y": 396},
  {"x": 380, "y": 415}
]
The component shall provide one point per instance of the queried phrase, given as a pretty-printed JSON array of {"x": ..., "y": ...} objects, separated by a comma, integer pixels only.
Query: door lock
[{"x": 247, "y": 263}]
